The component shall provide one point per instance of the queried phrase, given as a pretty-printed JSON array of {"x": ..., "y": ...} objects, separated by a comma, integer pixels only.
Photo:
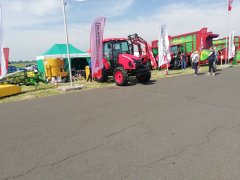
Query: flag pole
[
  {"x": 166, "y": 73},
  {"x": 227, "y": 39},
  {"x": 67, "y": 41}
]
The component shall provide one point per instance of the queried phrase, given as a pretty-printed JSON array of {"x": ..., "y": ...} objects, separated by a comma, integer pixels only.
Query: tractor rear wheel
[
  {"x": 102, "y": 77},
  {"x": 120, "y": 76}
]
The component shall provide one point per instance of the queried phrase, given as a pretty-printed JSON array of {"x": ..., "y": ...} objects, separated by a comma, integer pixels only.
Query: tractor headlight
[
  {"x": 137, "y": 63},
  {"x": 130, "y": 64}
]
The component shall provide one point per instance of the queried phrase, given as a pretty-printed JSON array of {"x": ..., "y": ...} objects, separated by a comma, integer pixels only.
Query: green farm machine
[
  {"x": 221, "y": 45},
  {"x": 28, "y": 78},
  {"x": 199, "y": 41}
]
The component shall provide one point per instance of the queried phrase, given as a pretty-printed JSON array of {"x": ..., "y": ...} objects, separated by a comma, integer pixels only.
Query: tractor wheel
[
  {"x": 148, "y": 64},
  {"x": 103, "y": 77},
  {"x": 120, "y": 76},
  {"x": 143, "y": 78},
  {"x": 176, "y": 64}
]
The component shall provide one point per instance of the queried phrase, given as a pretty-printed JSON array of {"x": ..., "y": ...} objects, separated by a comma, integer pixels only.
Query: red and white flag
[
  {"x": 163, "y": 48},
  {"x": 230, "y": 5},
  {"x": 231, "y": 46},
  {"x": 96, "y": 38},
  {"x": 3, "y": 61}
]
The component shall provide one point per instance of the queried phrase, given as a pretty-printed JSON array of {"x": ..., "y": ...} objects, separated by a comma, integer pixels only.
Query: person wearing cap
[{"x": 195, "y": 61}]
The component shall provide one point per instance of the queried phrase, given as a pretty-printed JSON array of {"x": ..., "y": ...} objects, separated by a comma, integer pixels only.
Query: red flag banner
[
  {"x": 96, "y": 37},
  {"x": 230, "y": 5}
]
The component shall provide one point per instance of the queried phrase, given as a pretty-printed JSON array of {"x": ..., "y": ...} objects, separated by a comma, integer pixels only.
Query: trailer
[
  {"x": 221, "y": 44},
  {"x": 199, "y": 41}
]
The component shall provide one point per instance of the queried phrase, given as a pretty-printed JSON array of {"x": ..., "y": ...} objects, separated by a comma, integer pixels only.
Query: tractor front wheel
[
  {"x": 148, "y": 64},
  {"x": 143, "y": 78},
  {"x": 176, "y": 64},
  {"x": 120, "y": 76}
]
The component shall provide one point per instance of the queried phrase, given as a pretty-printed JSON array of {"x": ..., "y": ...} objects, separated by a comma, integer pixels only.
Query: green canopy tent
[{"x": 79, "y": 58}]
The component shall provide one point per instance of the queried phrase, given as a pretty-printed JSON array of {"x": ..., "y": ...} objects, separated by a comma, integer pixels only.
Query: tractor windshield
[
  {"x": 176, "y": 49},
  {"x": 121, "y": 47},
  {"x": 112, "y": 49}
]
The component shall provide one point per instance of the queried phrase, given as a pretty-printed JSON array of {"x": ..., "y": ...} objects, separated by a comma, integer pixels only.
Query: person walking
[
  {"x": 216, "y": 58},
  {"x": 211, "y": 60},
  {"x": 195, "y": 61},
  {"x": 183, "y": 60}
]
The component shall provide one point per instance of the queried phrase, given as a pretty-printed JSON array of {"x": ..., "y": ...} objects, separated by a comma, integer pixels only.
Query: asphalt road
[{"x": 176, "y": 128}]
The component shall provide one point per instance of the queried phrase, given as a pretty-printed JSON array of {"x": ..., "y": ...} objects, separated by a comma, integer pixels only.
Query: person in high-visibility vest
[{"x": 90, "y": 72}]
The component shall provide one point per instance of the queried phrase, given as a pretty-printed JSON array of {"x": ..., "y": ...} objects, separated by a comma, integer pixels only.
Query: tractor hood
[
  {"x": 129, "y": 56},
  {"x": 129, "y": 61}
]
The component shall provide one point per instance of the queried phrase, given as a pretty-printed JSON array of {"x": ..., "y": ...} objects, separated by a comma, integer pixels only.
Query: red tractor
[{"x": 120, "y": 63}]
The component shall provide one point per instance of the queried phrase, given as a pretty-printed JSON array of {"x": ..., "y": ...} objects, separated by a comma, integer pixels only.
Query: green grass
[{"x": 29, "y": 92}]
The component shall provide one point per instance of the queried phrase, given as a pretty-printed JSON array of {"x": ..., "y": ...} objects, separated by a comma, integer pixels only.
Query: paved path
[{"x": 182, "y": 127}]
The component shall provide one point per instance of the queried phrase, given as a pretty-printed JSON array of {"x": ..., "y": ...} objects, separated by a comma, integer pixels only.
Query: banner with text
[
  {"x": 231, "y": 46},
  {"x": 163, "y": 47},
  {"x": 96, "y": 38}
]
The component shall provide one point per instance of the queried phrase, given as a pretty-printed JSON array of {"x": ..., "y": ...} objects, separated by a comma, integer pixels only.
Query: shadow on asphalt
[
  {"x": 132, "y": 82},
  {"x": 151, "y": 82},
  {"x": 200, "y": 74},
  {"x": 173, "y": 73}
]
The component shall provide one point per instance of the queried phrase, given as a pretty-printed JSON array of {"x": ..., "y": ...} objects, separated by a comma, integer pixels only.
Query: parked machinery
[
  {"x": 120, "y": 63},
  {"x": 28, "y": 78},
  {"x": 144, "y": 50},
  {"x": 220, "y": 45},
  {"x": 199, "y": 41},
  {"x": 54, "y": 67}
]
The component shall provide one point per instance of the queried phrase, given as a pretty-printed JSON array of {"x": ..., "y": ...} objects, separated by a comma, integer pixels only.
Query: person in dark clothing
[
  {"x": 211, "y": 60},
  {"x": 183, "y": 60},
  {"x": 90, "y": 73},
  {"x": 216, "y": 58}
]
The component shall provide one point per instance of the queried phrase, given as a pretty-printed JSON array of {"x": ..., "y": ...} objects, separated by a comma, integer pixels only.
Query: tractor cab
[
  {"x": 175, "y": 51},
  {"x": 112, "y": 48}
]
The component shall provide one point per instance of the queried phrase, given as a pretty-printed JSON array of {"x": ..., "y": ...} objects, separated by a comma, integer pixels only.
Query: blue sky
[{"x": 32, "y": 26}]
